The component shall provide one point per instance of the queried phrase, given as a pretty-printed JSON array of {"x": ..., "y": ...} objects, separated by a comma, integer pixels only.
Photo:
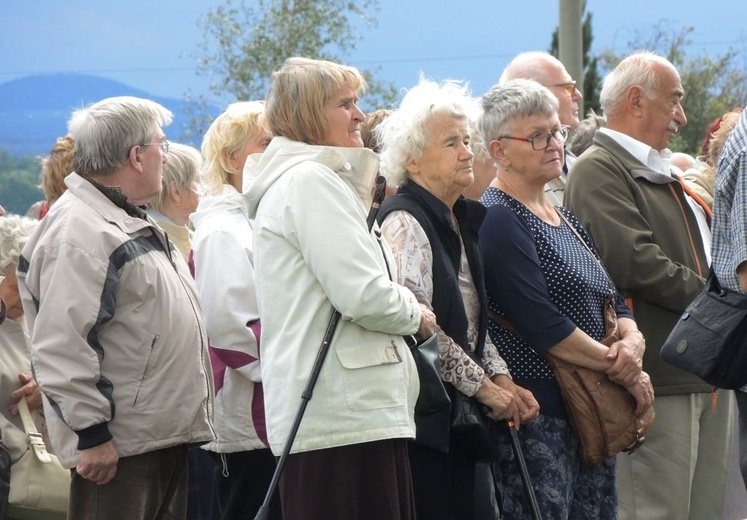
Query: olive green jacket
[{"x": 649, "y": 240}]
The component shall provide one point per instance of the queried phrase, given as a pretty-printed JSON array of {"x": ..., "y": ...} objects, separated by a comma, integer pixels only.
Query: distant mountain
[{"x": 34, "y": 110}]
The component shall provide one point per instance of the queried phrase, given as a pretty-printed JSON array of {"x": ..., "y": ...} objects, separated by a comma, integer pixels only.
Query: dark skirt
[{"x": 369, "y": 481}]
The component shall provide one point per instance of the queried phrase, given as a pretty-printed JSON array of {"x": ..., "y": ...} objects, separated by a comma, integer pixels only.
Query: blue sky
[{"x": 151, "y": 44}]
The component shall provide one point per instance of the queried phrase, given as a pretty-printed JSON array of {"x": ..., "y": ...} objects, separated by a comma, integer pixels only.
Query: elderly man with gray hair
[
  {"x": 654, "y": 239},
  {"x": 118, "y": 342}
]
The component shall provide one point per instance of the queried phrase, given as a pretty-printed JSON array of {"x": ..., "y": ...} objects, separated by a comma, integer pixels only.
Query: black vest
[{"x": 435, "y": 218}]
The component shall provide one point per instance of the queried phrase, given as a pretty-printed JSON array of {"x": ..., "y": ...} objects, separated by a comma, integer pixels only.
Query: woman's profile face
[{"x": 344, "y": 118}]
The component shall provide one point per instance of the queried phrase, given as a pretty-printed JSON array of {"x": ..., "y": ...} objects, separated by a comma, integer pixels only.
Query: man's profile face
[
  {"x": 663, "y": 115},
  {"x": 560, "y": 83},
  {"x": 153, "y": 159}
]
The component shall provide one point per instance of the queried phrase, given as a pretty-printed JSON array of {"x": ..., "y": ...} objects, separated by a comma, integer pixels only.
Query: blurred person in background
[
  {"x": 55, "y": 167},
  {"x": 223, "y": 258},
  {"x": 179, "y": 195}
]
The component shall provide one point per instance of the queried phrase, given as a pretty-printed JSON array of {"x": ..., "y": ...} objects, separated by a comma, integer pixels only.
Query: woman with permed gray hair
[{"x": 432, "y": 230}]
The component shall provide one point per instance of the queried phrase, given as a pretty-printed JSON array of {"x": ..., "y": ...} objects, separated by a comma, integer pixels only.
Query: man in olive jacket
[{"x": 654, "y": 238}]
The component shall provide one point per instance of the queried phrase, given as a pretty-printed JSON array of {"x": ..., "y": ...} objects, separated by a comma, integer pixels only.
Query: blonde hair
[
  {"x": 229, "y": 133},
  {"x": 298, "y": 95},
  {"x": 182, "y": 168},
  {"x": 55, "y": 167}
]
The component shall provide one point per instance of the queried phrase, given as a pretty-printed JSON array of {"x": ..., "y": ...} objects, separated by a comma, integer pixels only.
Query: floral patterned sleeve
[
  {"x": 492, "y": 360},
  {"x": 414, "y": 258}
]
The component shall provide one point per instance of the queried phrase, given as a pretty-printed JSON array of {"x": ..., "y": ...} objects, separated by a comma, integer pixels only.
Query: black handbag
[
  {"x": 433, "y": 404},
  {"x": 710, "y": 338},
  {"x": 472, "y": 430}
]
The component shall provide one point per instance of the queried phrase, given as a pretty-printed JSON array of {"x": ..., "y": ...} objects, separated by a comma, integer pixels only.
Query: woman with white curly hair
[{"x": 432, "y": 230}]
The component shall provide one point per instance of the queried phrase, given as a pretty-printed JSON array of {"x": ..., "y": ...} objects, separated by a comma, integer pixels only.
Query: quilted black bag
[{"x": 710, "y": 338}]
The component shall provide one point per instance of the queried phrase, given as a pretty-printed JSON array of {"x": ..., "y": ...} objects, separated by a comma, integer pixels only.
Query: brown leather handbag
[{"x": 602, "y": 413}]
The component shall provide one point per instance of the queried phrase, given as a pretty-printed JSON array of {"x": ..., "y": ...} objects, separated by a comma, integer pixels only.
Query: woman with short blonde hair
[
  {"x": 238, "y": 132},
  {"x": 223, "y": 257},
  {"x": 309, "y": 196}
]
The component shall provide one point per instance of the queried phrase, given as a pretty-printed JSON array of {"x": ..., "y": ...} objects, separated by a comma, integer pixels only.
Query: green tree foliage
[
  {"x": 19, "y": 177},
  {"x": 713, "y": 84},
  {"x": 592, "y": 79},
  {"x": 244, "y": 41}
]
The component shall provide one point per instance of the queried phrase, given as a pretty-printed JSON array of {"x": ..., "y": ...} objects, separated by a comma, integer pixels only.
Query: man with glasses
[
  {"x": 118, "y": 342},
  {"x": 549, "y": 72},
  {"x": 655, "y": 240}
]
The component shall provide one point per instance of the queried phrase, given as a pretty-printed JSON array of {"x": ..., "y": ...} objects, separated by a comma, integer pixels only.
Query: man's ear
[
  {"x": 634, "y": 99},
  {"x": 133, "y": 158}
]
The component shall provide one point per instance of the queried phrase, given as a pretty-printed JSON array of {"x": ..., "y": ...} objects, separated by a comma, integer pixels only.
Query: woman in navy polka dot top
[{"x": 549, "y": 286}]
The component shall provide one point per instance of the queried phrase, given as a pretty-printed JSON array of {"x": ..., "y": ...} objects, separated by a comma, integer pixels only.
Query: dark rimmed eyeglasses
[
  {"x": 541, "y": 142},
  {"x": 164, "y": 145},
  {"x": 569, "y": 87}
]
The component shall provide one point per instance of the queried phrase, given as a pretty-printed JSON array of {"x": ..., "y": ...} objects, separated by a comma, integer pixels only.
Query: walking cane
[
  {"x": 524, "y": 471},
  {"x": 264, "y": 510}
]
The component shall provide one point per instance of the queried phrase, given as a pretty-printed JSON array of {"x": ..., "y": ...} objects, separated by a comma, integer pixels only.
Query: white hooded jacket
[
  {"x": 313, "y": 252},
  {"x": 224, "y": 274}
]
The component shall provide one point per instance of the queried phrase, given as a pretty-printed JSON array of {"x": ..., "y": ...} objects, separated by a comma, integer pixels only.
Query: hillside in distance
[{"x": 34, "y": 110}]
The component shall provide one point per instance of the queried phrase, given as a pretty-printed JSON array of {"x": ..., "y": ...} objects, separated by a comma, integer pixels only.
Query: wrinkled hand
[
  {"x": 502, "y": 403},
  {"x": 427, "y": 323},
  {"x": 30, "y": 390},
  {"x": 98, "y": 464},
  {"x": 525, "y": 402},
  {"x": 643, "y": 393},
  {"x": 628, "y": 356}
]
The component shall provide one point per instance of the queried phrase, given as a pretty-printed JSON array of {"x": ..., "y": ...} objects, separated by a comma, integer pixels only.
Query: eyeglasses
[
  {"x": 164, "y": 145},
  {"x": 541, "y": 142},
  {"x": 569, "y": 87}
]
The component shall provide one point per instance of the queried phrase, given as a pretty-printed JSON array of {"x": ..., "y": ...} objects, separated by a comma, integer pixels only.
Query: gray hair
[
  {"x": 529, "y": 65},
  {"x": 15, "y": 231},
  {"x": 105, "y": 132},
  {"x": 403, "y": 136},
  {"x": 182, "y": 168},
  {"x": 637, "y": 70},
  {"x": 502, "y": 104}
]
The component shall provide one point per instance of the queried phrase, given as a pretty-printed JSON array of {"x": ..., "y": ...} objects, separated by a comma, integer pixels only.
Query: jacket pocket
[
  {"x": 144, "y": 371},
  {"x": 373, "y": 376}
]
